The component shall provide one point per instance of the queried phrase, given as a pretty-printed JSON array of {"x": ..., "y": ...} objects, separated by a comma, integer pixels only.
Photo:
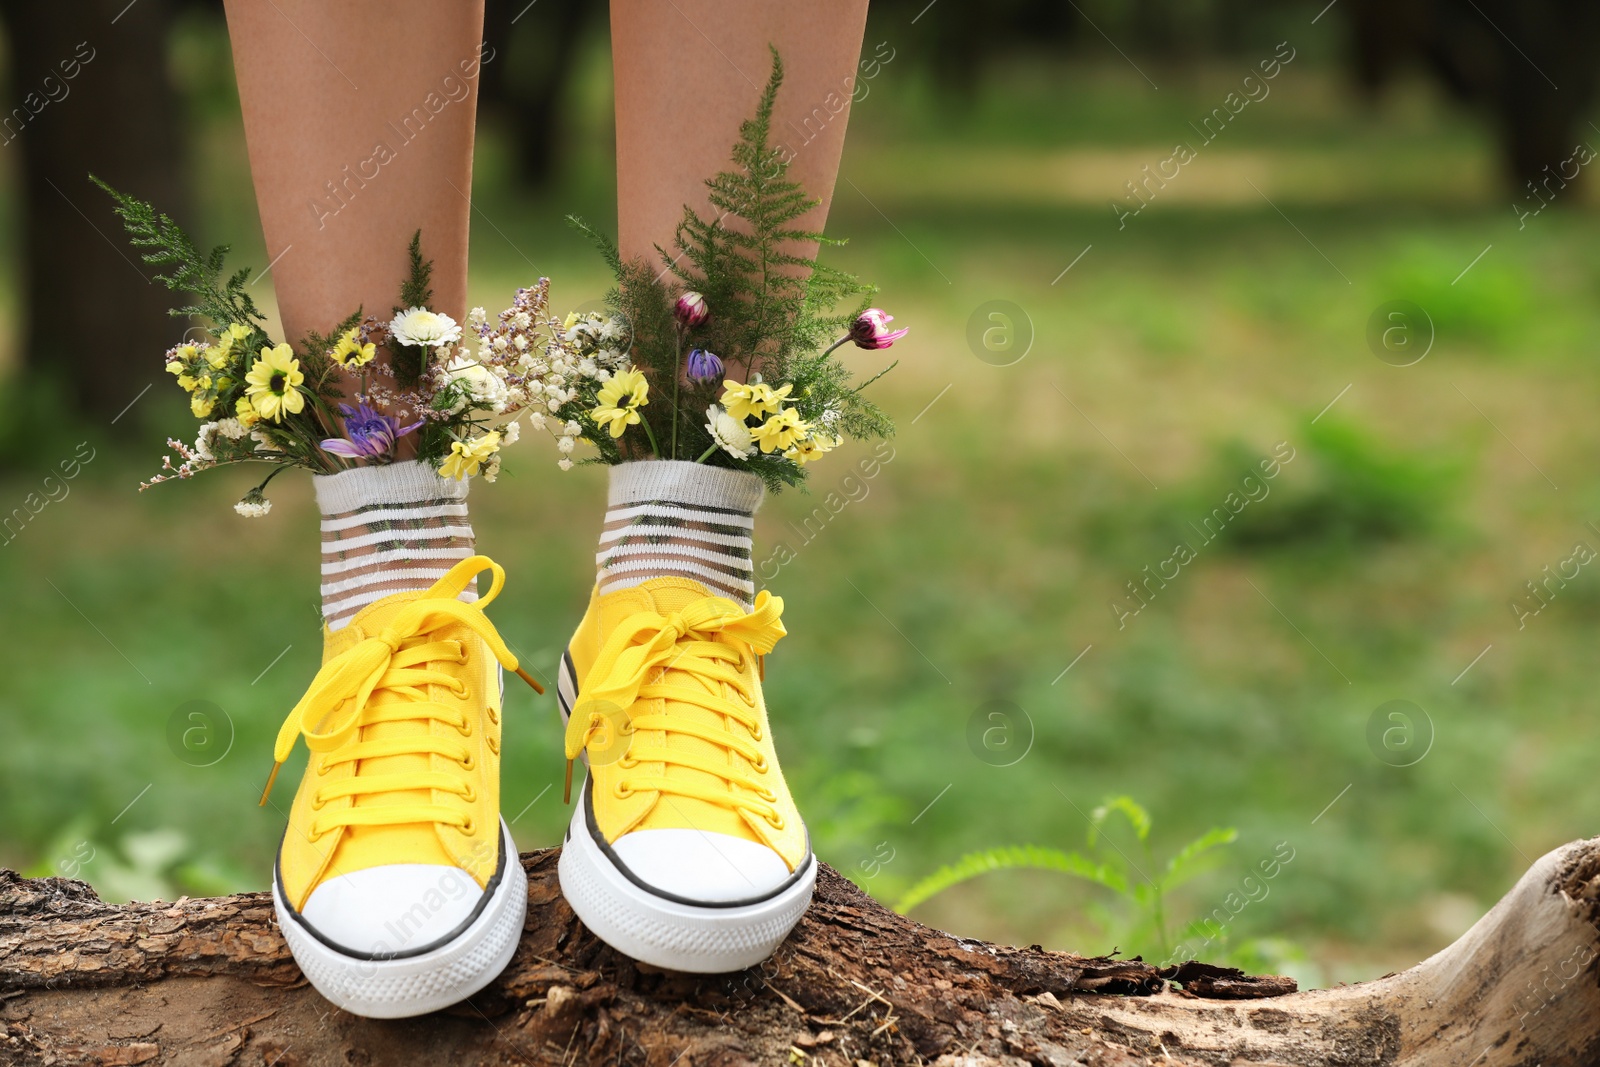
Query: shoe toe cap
[
  {"x": 396, "y": 908},
  {"x": 702, "y": 866}
]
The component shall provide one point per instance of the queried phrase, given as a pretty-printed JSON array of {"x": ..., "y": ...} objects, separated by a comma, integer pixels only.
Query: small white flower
[
  {"x": 611, "y": 330},
  {"x": 565, "y": 445},
  {"x": 419, "y": 326},
  {"x": 730, "y": 434},
  {"x": 509, "y": 435},
  {"x": 252, "y": 510},
  {"x": 491, "y": 468},
  {"x": 232, "y": 429},
  {"x": 262, "y": 441},
  {"x": 477, "y": 317},
  {"x": 536, "y": 419},
  {"x": 565, "y": 463},
  {"x": 202, "y": 443},
  {"x": 483, "y": 385},
  {"x": 573, "y": 428}
]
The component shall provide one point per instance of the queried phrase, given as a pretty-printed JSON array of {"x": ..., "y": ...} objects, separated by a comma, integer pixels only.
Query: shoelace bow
[
  {"x": 681, "y": 641},
  {"x": 398, "y": 660}
]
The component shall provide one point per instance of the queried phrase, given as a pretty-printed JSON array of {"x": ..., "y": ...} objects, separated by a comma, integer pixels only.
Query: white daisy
[
  {"x": 419, "y": 326},
  {"x": 730, "y": 434}
]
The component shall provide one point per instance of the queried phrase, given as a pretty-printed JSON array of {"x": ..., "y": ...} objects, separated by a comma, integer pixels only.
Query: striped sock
[
  {"x": 669, "y": 517},
  {"x": 388, "y": 529}
]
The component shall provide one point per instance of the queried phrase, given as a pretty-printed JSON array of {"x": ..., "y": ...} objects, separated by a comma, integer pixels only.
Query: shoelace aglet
[
  {"x": 273, "y": 777},
  {"x": 566, "y": 789},
  {"x": 537, "y": 688}
]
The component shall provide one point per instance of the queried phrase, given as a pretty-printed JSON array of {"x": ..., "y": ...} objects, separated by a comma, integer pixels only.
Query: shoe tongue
[
  {"x": 366, "y": 846},
  {"x": 661, "y": 595},
  {"x": 666, "y": 596}
]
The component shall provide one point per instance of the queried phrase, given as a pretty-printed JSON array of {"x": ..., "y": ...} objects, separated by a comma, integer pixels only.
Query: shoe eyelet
[
  {"x": 494, "y": 714},
  {"x": 465, "y": 729},
  {"x": 755, "y": 732},
  {"x": 768, "y": 795},
  {"x": 317, "y": 803},
  {"x": 459, "y": 688},
  {"x": 470, "y": 826},
  {"x": 471, "y": 794},
  {"x": 322, "y": 769},
  {"x": 759, "y": 765},
  {"x": 494, "y": 746},
  {"x": 627, "y": 762},
  {"x": 622, "y": 790},
  {"x": 775, "y": 821},
  {"x": 468, "y": 762}
]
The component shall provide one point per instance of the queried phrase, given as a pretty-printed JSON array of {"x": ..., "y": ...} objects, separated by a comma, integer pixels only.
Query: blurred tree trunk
[
  {"x": 90, "y": 92},
  {"x": 1528, "y": 65},
  {"x": 536, "y": 50}
]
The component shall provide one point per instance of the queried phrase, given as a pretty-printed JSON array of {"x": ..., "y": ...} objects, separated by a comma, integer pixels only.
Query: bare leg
[
  {"x": 359, "y": 120},
  {"x": 690, "y": 71}
]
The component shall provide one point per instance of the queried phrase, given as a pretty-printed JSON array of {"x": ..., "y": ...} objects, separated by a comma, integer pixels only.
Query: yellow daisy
[
  {"x": 753, "y": 400},
  {"x": 809, "y": 449},
  {"x": 351, "y": 353},
  {"x": 781, "y": 431},
  {"x": 620, "y": 400},
  {"x": 274, "y": 384},
  {"x": 466, "y": 458}
]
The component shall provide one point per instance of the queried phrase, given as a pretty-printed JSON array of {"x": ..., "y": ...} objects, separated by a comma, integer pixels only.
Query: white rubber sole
[
  {"x": 416, "y": 985},
  {"x": 667, "y": 933}
]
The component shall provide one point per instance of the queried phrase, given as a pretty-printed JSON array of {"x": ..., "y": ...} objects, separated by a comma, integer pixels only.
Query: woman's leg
[
  {"x": 706, "y": 864},
  {"x": 394, "y": 885},
  {"x": 359, "y": 122},
  {"x": 690, "y": 71}
]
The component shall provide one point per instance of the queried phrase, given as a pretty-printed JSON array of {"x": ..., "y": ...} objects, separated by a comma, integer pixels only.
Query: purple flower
[
  {"x": 704, "y": 366},
  {"x": 691, "y": 310},
  {"x": 871, "y": 329},
  {"x": 368, "y": 433}
]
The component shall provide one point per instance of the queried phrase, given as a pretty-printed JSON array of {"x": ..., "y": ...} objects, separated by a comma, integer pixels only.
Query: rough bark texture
[{"x": 211, "y": 982}]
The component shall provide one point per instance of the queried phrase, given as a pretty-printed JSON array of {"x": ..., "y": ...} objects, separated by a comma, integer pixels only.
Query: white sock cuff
[
  {"x": 411, "y": 482},
  {"x": 682, "y": 482}
]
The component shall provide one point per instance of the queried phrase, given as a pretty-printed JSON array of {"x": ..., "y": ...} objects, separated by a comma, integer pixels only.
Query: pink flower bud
[
  {"x": 691, "y": 309},
  {"x": 871, "y": 329}
]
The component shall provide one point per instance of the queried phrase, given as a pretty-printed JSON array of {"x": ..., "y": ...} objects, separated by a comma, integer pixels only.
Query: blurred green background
[{"x": 1031, "y": 481}]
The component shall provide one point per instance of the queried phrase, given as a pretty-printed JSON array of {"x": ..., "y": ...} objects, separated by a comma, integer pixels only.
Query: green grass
[{"x": 980, "y": 561}]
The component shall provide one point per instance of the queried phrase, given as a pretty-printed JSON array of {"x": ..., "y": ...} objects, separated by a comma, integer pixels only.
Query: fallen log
[{"x": 210, "y": 982}]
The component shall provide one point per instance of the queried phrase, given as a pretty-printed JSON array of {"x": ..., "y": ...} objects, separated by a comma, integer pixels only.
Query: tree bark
[{"x": 211, "y": 982}]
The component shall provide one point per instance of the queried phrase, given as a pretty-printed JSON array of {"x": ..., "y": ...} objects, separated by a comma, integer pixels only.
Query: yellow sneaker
[
  {"x": 685, "y": 850},
  {"x": 397, "y": 885}
]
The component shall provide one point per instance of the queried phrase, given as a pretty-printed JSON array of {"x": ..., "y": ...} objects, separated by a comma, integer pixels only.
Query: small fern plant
[{"x": 1141, "y": 888}]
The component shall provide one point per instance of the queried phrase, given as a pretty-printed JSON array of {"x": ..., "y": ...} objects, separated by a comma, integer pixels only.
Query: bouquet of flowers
[
  {"x": 325, "y": 405},
  {"x": 658, "y": 375}
]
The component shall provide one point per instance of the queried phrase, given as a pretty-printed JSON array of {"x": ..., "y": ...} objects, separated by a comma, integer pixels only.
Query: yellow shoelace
[
  {"x": 397, "y": 661},
  {"x": 683, "y": 641}
]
